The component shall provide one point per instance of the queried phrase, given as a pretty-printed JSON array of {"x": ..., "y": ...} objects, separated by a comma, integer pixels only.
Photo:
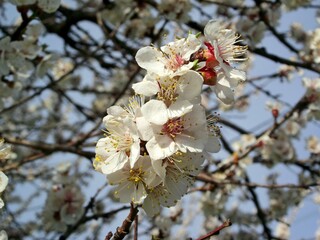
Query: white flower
[
  {"x": 171, "y": 88},
  {"x": 34, "y": 31},
  {"x": 313, "y": 144},
  {"x": 3, "y": 235},
  {"x": 315, "y": 45},
  {"x": 72, "y": 208},
  {"x": 3, "y": 184},
  {"x": 5, "y": 150},
  {"x": 12, "y": 58},
  {"x": 297, "y": 32},
  {"x": 181, "y": 127},
  {"x": 134, "y": 182},
  {"x": 175, "y": 9},
  {"x": 61, "y": 175},
  {"x": 120, "y": 146},
  {"x": 282, "y": 230},
  {"x": 64, "y": 205},
  {"x": 177, "y": 173},
  {"x": 293, "y": 4},
  {"x": 245, "y": 141},
  {"x": 47, "y": 62},
  {"x": 49, "y": 6},
  {"x": 221, "y": 52},
  {"x": 26, "y": 48},
  {"x": 277, "y": 149},
  {"x": 173, "y": 57},
  {"x": 222, "y": 40}
]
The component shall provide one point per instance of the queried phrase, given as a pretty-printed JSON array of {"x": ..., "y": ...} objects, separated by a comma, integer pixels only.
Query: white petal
[
  {"x": 237, "y": 75},
  {"x": 233, "y": 75},
  {"x": 1, "y": 205},
  {"x": 212, "y": 29},
  {"x": 146, "y": 88},
  {"x": 190, "y": 85},
  {"x": 151, "y": 206},
  {"x": 104, "y": 148},
  {"x": 115, "y": 162},
  {"x": 159, "y": 168},
  {"x": 191, "y": 45},
  {"x": 134, "y": 153},
  {"x": 3, "y": 181},
  {"x": 213, "y": 145},
  {"x": 223, "y": 91},
  {"x": 3, "y": 235},
  {"x": 190, "y": 143},
  {"x": 144, "y": 128},
  {"x": 195, "y": 118},
  {"x": 179, "y": 109},
  {"x": 70, "y": 217},
  {"x": 115, "y": 111},
  {"x": 160, "y": 147},
  {"x": 124, "y": 192},
  {"x": 49, "y": 6},
  {"x": 155, "y": 112},
  {"x": 150, "y": 59}
]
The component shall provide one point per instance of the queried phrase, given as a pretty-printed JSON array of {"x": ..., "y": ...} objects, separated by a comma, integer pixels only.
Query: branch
[
  {"x": 216, "y": 231},
  {"x": 50, "y": 148},
  {"x": 208, "y": 179},
  {"x": 123, "y": 230}
]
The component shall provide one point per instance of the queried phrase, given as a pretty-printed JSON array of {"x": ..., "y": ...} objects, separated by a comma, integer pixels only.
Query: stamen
[{"x": 173, "y": 127}]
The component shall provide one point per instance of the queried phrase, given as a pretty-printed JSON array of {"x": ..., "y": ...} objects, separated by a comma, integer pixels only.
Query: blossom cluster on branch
[{"x": 155, "y": 146}]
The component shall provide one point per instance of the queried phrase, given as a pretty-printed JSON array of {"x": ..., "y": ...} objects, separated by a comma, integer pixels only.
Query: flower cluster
[{"x": 153, "y": 149}]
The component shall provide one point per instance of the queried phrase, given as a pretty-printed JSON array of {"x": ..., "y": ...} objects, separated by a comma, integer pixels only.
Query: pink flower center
[
  {"x": 173, "y": 127},
  {"x": 175, "y": 62}
]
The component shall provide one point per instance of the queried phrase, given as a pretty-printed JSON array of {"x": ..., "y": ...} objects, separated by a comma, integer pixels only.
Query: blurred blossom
[
  {"x": 5, "y": 150},
  {"x": 294, "y": 125},
  {"x": 62, "y": 67},
  {"x": 3, "y": 235},
  {"x": 314, "y": 45},
  {"x": 246, "y": 140},
  {"x": 64, "y": 203},
  {"x": 313, "y": 145},
  {"x": 277, "y": 148},
  {"x": 313, "y": 96},
  {"x": 3, "y": 184},
  {"x": 46, "y": 64},
  {"x": 252, "y": 27},
  {"x": 298, "y": 33},
  {"x": 48, "y": 6},
  {"x": 294, "y": 4},
  {"x": 177, "y": 10},
  {"x": 282, "y": 230}
]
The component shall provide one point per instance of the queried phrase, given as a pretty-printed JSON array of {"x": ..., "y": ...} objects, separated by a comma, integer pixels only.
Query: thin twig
[{"x": 216, "y": 231}]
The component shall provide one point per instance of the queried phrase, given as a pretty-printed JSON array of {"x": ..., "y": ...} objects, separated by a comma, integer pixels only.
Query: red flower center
[{"x": 173, "y": 127}]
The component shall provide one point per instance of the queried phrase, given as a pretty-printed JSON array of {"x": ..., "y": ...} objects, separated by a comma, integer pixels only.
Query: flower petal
[
  {"x": 150, "y": 59},
  {"x": 155, "y": 112},
  {"x": 146, "y": 88},
  {"x": 160, "y": 147}
]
